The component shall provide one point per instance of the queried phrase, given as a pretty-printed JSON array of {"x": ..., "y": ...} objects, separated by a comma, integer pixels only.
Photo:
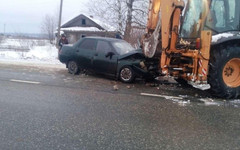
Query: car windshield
[{"x": 122, "y": 47}]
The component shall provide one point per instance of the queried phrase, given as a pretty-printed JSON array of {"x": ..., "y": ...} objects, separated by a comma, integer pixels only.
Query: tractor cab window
[
  {"x": 223, "y": 16},
  {"x": 191, "y": 21}
]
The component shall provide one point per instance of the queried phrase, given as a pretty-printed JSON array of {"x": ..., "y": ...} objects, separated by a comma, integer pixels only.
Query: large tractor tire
[{"x": 224, "y": 71}]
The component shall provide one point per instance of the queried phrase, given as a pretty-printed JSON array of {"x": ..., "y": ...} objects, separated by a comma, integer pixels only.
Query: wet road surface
[{"x": 47, "y": 108}]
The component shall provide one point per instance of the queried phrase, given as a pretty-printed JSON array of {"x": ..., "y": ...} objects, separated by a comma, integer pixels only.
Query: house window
[
  {"x": 82, "y": 36},
  {"x": 83, "y": 22}
]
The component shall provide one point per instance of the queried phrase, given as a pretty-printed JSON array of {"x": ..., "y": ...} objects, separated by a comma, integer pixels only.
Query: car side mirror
[{"x": 110, "y": 54}]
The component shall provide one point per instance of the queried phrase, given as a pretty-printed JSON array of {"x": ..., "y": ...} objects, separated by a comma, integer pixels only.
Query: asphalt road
[{"x": 44, "y": 107}]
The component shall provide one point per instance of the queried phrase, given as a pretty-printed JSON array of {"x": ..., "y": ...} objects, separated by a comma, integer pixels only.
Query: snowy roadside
[
  {"x": 31, "y": 63},
  {"x": 38, "y": 55}
]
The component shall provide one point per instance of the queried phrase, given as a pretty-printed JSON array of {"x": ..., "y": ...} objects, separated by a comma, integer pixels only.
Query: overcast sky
[{"x": 25, "y": 16}]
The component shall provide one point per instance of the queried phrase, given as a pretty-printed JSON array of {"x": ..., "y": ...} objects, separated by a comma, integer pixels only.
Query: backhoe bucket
[{"x": 151, "y": 38}]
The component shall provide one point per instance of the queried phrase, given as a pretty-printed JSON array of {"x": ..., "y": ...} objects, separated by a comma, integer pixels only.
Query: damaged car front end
[
  {"x": 143, "y": 67},
  {"x": 108, "y": 56}
]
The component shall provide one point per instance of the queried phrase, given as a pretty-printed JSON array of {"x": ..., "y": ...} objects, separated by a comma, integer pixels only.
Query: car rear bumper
[{"x": 62, "y": 58}]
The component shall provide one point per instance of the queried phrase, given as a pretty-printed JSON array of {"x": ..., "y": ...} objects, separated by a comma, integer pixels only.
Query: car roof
[{"x": 103, "y": 38}]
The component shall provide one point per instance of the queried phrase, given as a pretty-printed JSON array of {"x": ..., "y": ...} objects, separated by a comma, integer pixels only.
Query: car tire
[
  {"x": 127, "y": 74},
  {"x": 73, "y": 67}
]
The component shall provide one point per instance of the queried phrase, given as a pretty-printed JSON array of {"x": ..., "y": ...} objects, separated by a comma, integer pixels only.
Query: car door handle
[
  {"x": 96, "y": 54},
  {"x": 77, "y": 51}
]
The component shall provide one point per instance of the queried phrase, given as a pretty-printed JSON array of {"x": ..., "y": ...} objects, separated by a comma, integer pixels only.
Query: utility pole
[{"x": 59, "y": 22}]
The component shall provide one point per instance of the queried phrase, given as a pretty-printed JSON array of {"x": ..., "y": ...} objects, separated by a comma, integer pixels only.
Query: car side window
[
  {"x": 103, "y": 47},
  {"x": 88, "y": 44}
]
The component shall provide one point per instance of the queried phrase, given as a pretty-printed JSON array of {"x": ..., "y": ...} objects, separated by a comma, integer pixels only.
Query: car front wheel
[
  {"x": 127, "y": 74},
  {"x": 73, "y": 67}
]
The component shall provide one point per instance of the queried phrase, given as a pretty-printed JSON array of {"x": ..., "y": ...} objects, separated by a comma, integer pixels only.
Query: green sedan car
[{"x": 108, "y": 56}]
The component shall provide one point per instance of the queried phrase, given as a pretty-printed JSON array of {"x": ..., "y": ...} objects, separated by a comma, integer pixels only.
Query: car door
[
  {"x": 103, "y": 63},
  {"x": 85, "y": 52}
]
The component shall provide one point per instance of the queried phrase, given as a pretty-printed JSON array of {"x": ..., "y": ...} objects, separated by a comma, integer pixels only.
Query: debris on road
[
  {"x": 129, "y": 87},
  {"x": 165, "y": 80},
  {"x": 152, "y": 84},
  {"x": 115, "y": 87}
]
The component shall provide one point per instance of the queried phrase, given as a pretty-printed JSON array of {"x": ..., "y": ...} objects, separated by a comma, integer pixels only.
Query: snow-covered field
[{"x": 29, "y": 51}]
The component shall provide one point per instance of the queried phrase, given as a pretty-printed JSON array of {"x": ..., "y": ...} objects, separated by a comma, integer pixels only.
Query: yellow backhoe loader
[{"x": 197, "y": 42}]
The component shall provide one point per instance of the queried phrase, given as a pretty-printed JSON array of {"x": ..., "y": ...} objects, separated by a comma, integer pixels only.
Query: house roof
[
  {"x": 103, "y": 38},
  {"x": 92, "y": 29},
  {"x": 104, "y": 25},
  {"x": 75, "y": 24}
]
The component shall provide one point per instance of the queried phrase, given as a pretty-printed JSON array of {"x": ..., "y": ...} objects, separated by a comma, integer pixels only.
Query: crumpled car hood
[{"x": 135, "y": 52}]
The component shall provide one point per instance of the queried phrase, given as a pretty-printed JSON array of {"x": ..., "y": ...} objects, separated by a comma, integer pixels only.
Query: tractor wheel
[{"x": 224, "y": 71}]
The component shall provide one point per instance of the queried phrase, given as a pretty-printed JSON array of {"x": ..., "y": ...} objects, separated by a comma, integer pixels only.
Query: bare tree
[
  {"x": 49, "y": 26},
  {"x": 122, "y": 14},
  {"x": 137, "y": 11},
  {"x": 128, "y": 28},
  {"x": 110, "y": 11}
]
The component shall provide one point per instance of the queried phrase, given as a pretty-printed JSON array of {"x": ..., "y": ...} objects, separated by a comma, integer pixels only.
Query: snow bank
[
  {"x": 8, "y": 42},
  {"x": 10, "y": 55},
  {"x": 46, "y": 54}
]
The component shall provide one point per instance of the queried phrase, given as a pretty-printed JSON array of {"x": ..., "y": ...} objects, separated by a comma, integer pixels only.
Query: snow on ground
[
  {"x": 47, "y": 54},
  {"x": 202, "y": 87},
  {"x": 11, "y": 42},
  {"x": 39, "y": 51}
]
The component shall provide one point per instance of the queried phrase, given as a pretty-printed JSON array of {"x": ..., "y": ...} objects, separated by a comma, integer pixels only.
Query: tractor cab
[
  {"x": 219, "y": 16},
  {"x": 197, "y": 42}
]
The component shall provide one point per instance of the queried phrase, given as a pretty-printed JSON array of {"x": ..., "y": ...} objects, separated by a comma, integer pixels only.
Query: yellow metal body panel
[
  {"x": 153, "y": 16},
  {"x": 167, "y": 13},
  {"x": 204, "y": 55}
]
